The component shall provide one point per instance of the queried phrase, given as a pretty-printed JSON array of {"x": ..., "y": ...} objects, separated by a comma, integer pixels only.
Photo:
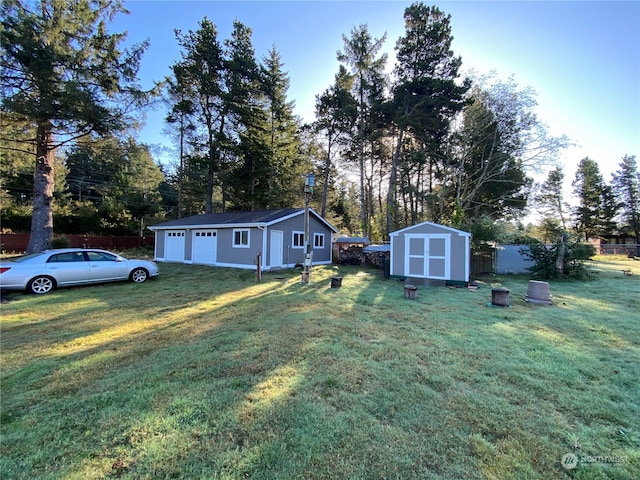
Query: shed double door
[{"x": 428, "y": 256}]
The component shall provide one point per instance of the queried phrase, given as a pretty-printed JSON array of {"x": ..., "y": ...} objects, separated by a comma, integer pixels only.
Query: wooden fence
[
  {"x": 483, "y": 262},
  {"x": 17, "y": 242},
  {"x": 629, "y": 249}
]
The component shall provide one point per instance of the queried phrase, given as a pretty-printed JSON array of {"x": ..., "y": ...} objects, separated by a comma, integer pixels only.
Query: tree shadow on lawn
[{"x": 289, "y": 379}]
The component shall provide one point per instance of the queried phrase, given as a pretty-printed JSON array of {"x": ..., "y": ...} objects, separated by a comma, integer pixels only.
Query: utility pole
[{"x": 309, "y": 183}]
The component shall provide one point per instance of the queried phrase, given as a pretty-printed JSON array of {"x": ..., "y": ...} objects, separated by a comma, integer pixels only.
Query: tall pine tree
[
  {"x": 285, "y": 162},
  {"x": 336, "y": 112},
  {"x": 65, "y": 74},
  {"x": 360, "y": 53},
  {"x": 199, "y": 76},
  {"x": 551, "y": 196},
  {"x": 426, "y": 96},
  {"x": 597, "y": 206},
  {"x": 270, "y": 163}
]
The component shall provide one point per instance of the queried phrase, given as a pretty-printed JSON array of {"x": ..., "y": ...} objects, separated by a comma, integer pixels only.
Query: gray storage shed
[
  {"x": 234, "y": 239},
  {"x": 431, "y": 251}
]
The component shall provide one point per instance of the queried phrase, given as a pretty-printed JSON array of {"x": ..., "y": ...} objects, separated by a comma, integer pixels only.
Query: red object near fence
[{"x": 17, "y": 242}]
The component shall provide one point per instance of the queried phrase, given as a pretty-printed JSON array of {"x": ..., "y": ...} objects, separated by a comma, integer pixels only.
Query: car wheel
[
  {"x": 42, "y": 284},
  {"x": 139, "y": 275}
]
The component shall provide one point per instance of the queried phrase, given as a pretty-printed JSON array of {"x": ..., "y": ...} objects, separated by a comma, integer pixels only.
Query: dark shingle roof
[{"x": 232, "y": 218}]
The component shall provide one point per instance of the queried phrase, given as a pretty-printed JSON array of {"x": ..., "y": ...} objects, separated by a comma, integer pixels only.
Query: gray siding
[
  {"x": 235, "y": 256},
  {"x": 188, "y": 246},
  {"x": 293, "y": 255},
  {"x": 510, "y": 260},
  {"x": 159, "y": 244},
  {"x": 259, "y": 242},
  {"x": 320, "y": 254},
  {"x": 460, "y": 258}
]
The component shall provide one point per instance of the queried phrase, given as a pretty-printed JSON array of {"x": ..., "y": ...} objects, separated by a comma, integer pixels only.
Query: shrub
[
  {"x": 564, "y": 259},
  {"x": 60, "y": 242}
]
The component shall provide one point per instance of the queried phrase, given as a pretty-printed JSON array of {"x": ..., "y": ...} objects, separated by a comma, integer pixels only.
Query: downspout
[{"x": 264, "y": 245}]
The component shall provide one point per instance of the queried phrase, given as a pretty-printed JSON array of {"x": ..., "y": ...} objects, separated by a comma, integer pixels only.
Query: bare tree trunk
[
  {"x": 208, "y": 205},
  {"x": 181, "y": 166},
  {"x": 393, "y": 174},
  {"x": 562, "y": 251},
  {"x": 363, "y": 206},
  {"x": 562, "y": 221},
  {"x": 43, "y": 184},
  {"x": 327, "y": 173}
]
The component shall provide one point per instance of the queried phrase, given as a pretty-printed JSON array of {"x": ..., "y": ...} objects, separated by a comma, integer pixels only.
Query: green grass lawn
[{"x": 204, "y": 373}]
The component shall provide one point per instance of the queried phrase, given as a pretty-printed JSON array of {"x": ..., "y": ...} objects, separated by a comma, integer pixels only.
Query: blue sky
[{"x": 582, "y": 58}]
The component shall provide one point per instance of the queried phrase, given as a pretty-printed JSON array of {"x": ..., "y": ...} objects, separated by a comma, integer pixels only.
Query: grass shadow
[{"x": 209, "y": 374}]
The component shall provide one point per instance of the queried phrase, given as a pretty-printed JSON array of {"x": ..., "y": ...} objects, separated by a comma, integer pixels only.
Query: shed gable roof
[
  {"x": 435, "y": 225},
  {"x": 236, "y": 219}
]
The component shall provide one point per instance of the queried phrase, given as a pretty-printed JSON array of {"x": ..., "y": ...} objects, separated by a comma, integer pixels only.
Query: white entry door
[
  {"x": 205, "y": 246},
  {"x": 275, "y": 253},
  {"x": 428, "y": 256},
  {"x": 174, "y": 246}
]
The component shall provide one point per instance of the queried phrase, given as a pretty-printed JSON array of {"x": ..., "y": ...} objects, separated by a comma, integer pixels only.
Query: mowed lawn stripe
[{"x": 205, "y": 373}]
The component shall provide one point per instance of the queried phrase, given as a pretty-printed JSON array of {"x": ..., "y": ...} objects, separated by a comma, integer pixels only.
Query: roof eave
[{"x": 209, "y": 225}]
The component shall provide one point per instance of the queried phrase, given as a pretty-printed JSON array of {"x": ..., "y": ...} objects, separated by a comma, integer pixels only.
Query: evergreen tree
[
  {"x": 360, "y": 53},
  {"x": 220, "y": 90},
  {"x": 242, "y": 103},
  {"x": 199, "y": 76},
  {"x": 181, "y": 109},
  {"x": 336, "y": 111},
  {"x": 121, "y": 180},
  {"x": 609, "y": 208},
  {"x": 499, "y": 142},
  {"x": 64, "y": 74},
  {"x": 492, "y": 180},
  {"x": 285, "y": 163},
  {"x": 16, "y": 162},
  {"x": 551, "y": 196},
  {"x": 626, "y": 186},
  {"x": 426, "y": 96},
  {"x": 597, "y": 206},
  {"x": 270, "y": 161}
]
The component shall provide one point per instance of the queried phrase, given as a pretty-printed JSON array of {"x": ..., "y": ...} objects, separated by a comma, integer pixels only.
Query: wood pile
[{"x": 355, "y": 256}]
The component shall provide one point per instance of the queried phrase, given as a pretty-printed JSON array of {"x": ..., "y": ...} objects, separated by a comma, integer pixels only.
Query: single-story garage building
[
  {"x": 431, "y": 251},
  {"x": 234, "y": 239}
]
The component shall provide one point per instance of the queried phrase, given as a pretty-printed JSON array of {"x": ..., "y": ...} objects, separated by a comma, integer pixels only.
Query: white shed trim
[{"x": 437, "y": 225}]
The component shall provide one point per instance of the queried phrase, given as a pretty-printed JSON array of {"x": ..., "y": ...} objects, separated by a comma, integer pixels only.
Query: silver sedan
[{"x": 44, "y": 271}]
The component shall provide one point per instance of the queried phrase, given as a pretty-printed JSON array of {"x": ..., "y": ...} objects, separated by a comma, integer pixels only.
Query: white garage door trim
[
  {"x": 174, "y": 245},
  {"x": 204, "y": 245}
]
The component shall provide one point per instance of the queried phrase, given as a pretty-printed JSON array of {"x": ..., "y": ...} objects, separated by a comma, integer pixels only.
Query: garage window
[
  {"x": 318, "y": 240},
  {"x": 241, "y": 238},
  {"x": 298, "y": 240}
]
